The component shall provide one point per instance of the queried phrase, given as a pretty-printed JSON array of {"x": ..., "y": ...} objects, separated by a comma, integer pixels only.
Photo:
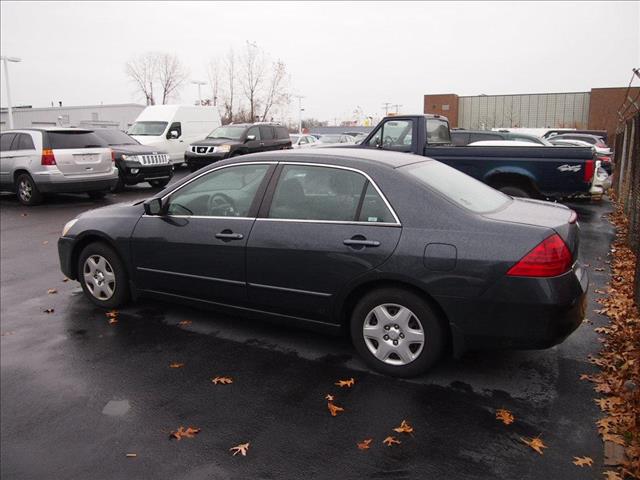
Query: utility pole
[
  {"x": 300, "y": 109},
  {"x": 199, "y": 83},
  {"x": 396, "y": 106},
  {"x": 5, "y": 61},
  {"x": 386, "y": 106}
]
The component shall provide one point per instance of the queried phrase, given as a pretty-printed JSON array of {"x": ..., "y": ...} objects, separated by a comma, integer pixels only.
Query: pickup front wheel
[{"x": 514, "y": 191}]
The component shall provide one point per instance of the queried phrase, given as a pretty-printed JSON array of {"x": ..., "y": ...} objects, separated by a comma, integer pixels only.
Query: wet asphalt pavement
[{"x": 78, "y": 394}]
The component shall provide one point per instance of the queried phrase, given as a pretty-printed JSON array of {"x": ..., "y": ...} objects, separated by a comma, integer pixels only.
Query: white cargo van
[{"x": 174, "y": 127}]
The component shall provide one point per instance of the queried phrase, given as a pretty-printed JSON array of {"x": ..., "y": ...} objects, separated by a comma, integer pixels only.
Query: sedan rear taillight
[
  {"x": 549, "y": 259},
  {"x": 589, "y": 170},
  {"x": 47, "y": 157}
]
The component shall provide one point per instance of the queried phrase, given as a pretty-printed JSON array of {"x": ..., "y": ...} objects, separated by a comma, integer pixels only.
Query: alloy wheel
[
  {"x": 393, "y": 334},
  {"x": 99, "y": 277},
  {"x": 25, "y": 190}
]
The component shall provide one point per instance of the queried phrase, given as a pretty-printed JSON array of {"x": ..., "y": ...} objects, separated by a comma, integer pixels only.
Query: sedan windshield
[
  {"x": 457, "y": 186},
  {"x": 228, "y": 133},
  {"x": 153, "y": 129},
  {"x": 294, "y": 138},
  {"x": 115, "y": 137}
]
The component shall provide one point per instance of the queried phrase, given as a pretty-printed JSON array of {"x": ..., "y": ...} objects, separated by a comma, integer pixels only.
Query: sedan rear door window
[{"x": 317, "y": 193}]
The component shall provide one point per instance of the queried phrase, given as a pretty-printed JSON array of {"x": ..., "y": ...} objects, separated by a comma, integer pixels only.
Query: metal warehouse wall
[
  {"x": 568, "y": 110},
  {"x": 110, "y": 116}
]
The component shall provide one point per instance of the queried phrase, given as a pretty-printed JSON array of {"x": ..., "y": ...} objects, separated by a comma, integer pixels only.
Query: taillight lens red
[
  {"x": 47, "y": 157},
  {"x": 589, "y": 169},
  {"x": 113, "y": 156},
  {"x": 549, "y": 259}
]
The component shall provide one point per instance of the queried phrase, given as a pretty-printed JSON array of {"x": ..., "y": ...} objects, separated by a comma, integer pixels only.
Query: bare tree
[
  {"x": 276, "y": 93},
  {"x": 252, "y": 75},
  {"x": 230, "y": 67},
  {"x": 213, "y": 71},
  {"x": 142, "y": 71},
  {"x": 171, "y": 74}
]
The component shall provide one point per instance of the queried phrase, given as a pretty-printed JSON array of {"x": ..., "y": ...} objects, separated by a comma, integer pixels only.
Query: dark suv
[
  {"x": 136, "y": 163},
  {"x": 236, "y": 139}
]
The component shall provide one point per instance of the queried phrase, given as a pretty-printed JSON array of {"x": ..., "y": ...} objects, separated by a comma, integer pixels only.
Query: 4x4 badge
[{"x": 569, "y": 168}]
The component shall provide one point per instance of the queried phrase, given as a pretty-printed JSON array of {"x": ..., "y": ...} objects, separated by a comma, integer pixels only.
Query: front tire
[
  {"x": 97, "y": 195},
  {"x": 28, "y": 193},
  {"x": 514, "y": 191},
  {"x": 397, "y": 332},
  {"x": 102, "y": 276}
]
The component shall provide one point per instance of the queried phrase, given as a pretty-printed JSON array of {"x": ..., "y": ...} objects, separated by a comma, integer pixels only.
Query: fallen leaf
[
  {"x": 222, "y": 380},
  {"x": 599, "y": 269},
  {"x": 6, "y": 334},
  {"x": 242, "y": 449},
  {"x": 364, "y": 445},
  {"x": 51, "y": 291},
  {"x": 583, "y": 461},
  {"x": 535, "y": 443},
  {"x": 600, "y": 291},
  {"x": 176, "y": 365},
  {"x": 65, "y": 279},
  {"x": 113, "y": 321},
  {"x": 45, "y": 242},
  {"x": 181, "y": 433},
  {"x": 132, "y": 455},
  {"x": 334, "y": 409},
  {"x": 608, "y": 437},
  {"x": 112, "y": 313},
  {"x": 345, "y": 383},
  {"x": 609, "y": 475},
  {"x": 24, "y": 214},
  {"x": 329, "y": 397},
  {"x": 404, "y": 428},
  {"x": 49, "y": 310},
  {"x": 184, "y": 323},
  {"x": 391, "y": 441},
  {"x": 505, "y": 416}
]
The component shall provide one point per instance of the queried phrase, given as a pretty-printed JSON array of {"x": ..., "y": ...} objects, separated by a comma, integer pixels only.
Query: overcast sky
[{"x": 339, "y": 55}]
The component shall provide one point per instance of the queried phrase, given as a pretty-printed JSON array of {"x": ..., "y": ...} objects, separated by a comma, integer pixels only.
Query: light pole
[
  {"x": 5, "y": 60},
  {"x": 300, "y": 109},
  {"x": 199, "y": 83}
]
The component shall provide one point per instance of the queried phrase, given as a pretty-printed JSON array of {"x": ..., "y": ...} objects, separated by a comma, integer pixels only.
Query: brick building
[{"x": 594, "y": 110}]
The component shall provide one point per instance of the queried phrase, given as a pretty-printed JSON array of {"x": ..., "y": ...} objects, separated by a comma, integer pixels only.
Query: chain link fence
[{"x": 627, "y": 183}]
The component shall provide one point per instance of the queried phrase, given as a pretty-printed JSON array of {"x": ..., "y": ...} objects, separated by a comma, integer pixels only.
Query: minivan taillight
[
  {"x": 550, "y": 258},
  {"x": 589, "y": 169},
  {"x": 47, "y": 157},
  {"x": 113, "y": 156}
]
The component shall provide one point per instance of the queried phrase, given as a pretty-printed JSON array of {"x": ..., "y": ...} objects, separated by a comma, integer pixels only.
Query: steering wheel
[
  {"x": 219, "y": 202},
  {"x": 388, "y": 140}
]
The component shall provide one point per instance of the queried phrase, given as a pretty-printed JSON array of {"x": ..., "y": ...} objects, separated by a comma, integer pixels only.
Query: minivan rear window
[
  {"x": 458, "y": 187},
  {"x": 70, "y": 139}
]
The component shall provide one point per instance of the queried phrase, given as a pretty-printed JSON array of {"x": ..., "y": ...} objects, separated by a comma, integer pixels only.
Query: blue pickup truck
[{"x": 536, "y": 172}]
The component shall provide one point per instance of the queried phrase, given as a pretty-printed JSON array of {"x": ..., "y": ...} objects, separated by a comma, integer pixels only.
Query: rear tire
[
  {"x": 103, "y": 276},
  {"x": 514, "y": 191},
  {"x": 28, "y": 193},
  {"x": 97, "y": 195},
  {"x": 405, "y": 341}
]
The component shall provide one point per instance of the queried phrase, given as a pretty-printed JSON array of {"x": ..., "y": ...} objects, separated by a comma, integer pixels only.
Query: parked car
[
  {"x": 36, "y": 161},
  {"x": 604, "y": 158},
  {"x": 236, "y": 139},
  {"x": 136, "y": 163},
  {"x": 173, "y": 127},
  {"x": 550, "y": 172},
  {"x": 302, "y": 141},
  {"x": 409, "y": 255},
  {"x": 504, "y": 143},
  {"x": 462, "y": 138},
  {"x": 553, "y": 132},
  {"x": 597, "y": 142},
  {"x": 332, "y": 138}
]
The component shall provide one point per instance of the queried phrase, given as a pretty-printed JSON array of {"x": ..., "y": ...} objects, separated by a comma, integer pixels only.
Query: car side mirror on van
[
  {"x": 173, "y": 134},
  {"x": 153, "y": 206},
  {"x": 250, "y": 138}
]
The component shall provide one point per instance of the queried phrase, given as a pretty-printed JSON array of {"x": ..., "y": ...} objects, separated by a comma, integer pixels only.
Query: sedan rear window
[
  {"x": 70, "y": 139},
  {"x": 457, "y": 186}
]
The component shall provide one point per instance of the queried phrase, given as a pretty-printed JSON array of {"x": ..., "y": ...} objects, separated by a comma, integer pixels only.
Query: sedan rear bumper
[
  {"x": 520, "y": 313},
  {"x": 55, "y": 182}
]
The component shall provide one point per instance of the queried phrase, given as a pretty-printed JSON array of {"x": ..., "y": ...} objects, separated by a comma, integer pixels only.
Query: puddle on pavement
[{"x": 116, "y": 408}]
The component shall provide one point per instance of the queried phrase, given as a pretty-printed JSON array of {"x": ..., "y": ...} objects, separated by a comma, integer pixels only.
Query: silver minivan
[{"x": 35, "y": 161}]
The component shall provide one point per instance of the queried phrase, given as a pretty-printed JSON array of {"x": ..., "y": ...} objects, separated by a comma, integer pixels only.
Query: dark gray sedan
[{"x": 410, "y": 256}]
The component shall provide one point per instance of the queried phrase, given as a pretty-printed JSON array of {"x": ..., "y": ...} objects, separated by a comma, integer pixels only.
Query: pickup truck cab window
[
  {"x": 227, "y": 192},
  {"x": 393, "y": 135},
  {"x": 437, "y": 131}
]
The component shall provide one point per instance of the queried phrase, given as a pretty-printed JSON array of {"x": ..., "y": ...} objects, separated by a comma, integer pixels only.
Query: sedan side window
[
  {"x": 374, "y": 208},
  {"x": 317, "y": 193},
  {"x": 228, "y": 192}
]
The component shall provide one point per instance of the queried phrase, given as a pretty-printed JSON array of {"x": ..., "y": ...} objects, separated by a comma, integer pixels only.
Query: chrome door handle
[
  {"x": 361, "y": 243},
  {"x": 229, "y": 236}
]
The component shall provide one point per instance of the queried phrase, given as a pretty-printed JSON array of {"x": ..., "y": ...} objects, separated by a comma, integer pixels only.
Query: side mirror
[
  {"x": 251, "y": 138},
  {"x": 173, "y": 134},
  {"x": 153, "y": 206}
]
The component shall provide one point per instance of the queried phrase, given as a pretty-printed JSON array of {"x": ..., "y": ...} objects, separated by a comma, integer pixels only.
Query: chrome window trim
[
  {"x": 334, "y": 222},
  {"x": 341, "y": 167},
  {"x": 188, "y": 275},
  {"x": 290, "y": 290},
  {"x": 202, "y": 216}
]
